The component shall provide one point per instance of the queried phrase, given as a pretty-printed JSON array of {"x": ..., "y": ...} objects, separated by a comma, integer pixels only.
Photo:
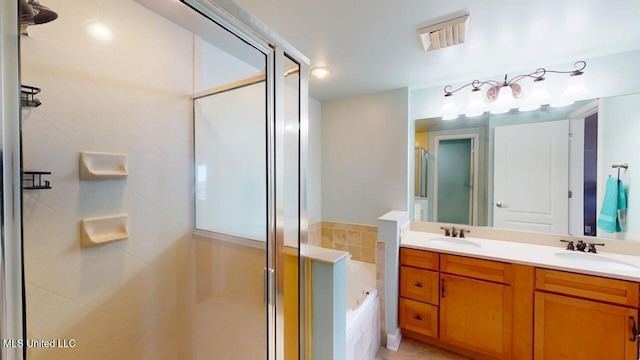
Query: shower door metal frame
[
  {"x": 247, "y": 27},
  {"x": 11, "y": 258}
]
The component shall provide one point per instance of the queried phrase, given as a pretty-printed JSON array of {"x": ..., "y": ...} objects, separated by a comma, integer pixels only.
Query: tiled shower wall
[
  {"x": 359, "y": 240},
  {"x": 115, "y": 77}
]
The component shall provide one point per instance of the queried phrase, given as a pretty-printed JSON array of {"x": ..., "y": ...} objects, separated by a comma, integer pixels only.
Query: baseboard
[{"x": 393, "y": 340}]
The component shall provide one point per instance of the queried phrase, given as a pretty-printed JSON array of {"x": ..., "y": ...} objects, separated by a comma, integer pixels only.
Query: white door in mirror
[{"x": 531, "y": 177}]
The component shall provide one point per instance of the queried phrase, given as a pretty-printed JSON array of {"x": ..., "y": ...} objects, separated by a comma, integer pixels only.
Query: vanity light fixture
[
  {"x": 504, "y": 96},
  {"x": 320, "y": 72}
]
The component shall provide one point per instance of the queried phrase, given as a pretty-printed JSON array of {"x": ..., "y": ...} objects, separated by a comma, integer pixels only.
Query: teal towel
[{"x": 614, "y": 199}]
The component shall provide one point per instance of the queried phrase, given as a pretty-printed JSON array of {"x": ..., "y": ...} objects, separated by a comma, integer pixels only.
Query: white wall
[
  {"x": 618, "y": 144},
  {"x": 364, "y": 156},
  {"x": 314, "y": 164}
]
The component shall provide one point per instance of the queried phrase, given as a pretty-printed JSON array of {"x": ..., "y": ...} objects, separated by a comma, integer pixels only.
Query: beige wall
[
  {"x": 358, "y": 240},
  {"x": 126, "y": 94},
  {"x": 422, "y": 139},
  {"x": 364, "y": 156}
]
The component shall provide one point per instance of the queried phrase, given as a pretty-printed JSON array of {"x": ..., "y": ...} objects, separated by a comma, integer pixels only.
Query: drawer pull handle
[
  {"x": 634, "y": 330},
  {"x": 442, "y": 287},
  {"x": 418, "y": 284},
  {"x": 417, "y": 317}
]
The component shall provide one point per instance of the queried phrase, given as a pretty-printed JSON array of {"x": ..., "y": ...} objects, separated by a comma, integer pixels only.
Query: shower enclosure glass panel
[
  {"x": 231, "y": 162},
  {"x": 454, "y": 181}
]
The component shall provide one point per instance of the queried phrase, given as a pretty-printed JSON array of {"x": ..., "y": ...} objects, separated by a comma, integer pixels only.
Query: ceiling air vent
[{"x": 447, "y": 33}]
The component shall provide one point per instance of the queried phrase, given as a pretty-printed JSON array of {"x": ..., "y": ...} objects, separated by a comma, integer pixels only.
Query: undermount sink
[
  {"x": 596, "y": 261},
  {"x": 454, "y": 243}
]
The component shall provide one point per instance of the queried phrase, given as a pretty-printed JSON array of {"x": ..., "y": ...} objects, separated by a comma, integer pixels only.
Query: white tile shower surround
[{"x": 130, "y": 94}]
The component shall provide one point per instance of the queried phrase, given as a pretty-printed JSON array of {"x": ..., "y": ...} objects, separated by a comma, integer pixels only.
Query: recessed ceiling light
[{"x": 320, "y": 72}]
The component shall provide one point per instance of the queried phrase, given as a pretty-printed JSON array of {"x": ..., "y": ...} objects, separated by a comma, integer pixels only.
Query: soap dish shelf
[
  {"x": 32, "y": 180},
  {"x": 103, "y": 229},
  {"x": 102, "y": 166}
]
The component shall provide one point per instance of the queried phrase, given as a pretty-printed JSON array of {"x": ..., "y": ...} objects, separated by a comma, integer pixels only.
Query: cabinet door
[
  {"x": 570, "y": 328},
  {"x": 476, "y": 315}
]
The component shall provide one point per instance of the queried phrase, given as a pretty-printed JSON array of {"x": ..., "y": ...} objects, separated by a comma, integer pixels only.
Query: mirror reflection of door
[
  {"x": 454, "y": 201},
  {"x": 531, "y": 177}
]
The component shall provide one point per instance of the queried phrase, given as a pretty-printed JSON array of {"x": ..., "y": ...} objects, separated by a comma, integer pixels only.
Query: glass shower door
[{"x": 231, "y": 208}]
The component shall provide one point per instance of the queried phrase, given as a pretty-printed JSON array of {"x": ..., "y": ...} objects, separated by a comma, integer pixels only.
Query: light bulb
[
  {"x": 476, "y": 104},
  {"x": 504, "y": 102},
  {"x": 576, "y": 88},
  {"x": 539, "y": 96},
  {"x": 449, "y": 108},
  {"x": 320, "y": 72}
]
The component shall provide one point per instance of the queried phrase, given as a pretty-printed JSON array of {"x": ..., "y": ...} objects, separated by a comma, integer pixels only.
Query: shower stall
[{"x": 154, "y": 183}]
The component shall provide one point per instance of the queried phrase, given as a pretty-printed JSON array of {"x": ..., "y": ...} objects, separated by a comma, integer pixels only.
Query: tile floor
[{"x": 415, "y": 350}]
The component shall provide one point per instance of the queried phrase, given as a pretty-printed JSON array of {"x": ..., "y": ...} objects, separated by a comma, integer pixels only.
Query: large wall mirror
[{"x": 543, "y": 171}]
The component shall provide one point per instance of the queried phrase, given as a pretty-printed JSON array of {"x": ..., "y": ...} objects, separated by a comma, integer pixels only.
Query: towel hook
[{"x": 623, "y": 166}]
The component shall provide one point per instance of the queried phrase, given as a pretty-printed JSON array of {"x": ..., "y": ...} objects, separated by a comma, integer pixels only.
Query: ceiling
[{"x": 372, "y": 46}]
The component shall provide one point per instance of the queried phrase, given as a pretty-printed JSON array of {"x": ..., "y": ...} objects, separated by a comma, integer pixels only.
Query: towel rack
[{"x": 623, "y": 166}]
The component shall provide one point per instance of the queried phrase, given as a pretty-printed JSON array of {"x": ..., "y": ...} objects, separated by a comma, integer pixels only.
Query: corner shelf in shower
[
  {"x": 28, "y": 96},
  {"x": 32, "y": 180}
]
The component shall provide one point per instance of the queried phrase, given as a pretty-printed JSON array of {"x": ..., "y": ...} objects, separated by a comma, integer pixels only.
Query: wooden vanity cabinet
[
  {"x": 461, "y": 301},
  {"x": 491, "y": 309},
  {"x": 584, "y": 317}
]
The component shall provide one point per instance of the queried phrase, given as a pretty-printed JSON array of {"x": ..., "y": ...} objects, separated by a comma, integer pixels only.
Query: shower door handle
[
  {"x": 267, "y": 281},
  {"x": 501, "y": 205}
]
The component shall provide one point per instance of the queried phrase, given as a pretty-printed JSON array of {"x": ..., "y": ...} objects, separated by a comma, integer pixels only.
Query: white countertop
[{"x": 601, "y": 264}]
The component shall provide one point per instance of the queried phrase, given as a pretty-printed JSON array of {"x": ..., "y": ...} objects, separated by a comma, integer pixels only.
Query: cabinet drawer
[
  {"x": 476, "y": 268},
  {"x": 418, "y": 284},
  {"x": 419, "y": 258},
  {"x": 418, "y": 317},
  {"x": 588, "y": 287}
]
